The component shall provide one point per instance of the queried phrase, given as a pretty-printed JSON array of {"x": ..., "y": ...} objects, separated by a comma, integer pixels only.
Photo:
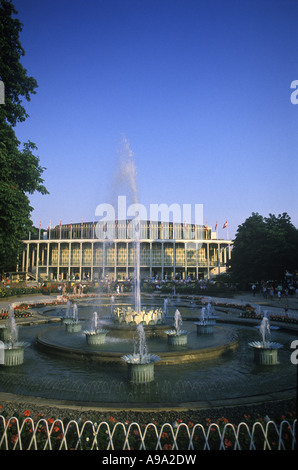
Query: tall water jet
[
  {"x": 140, "y": 364},
  {"x": 265, "y": 351},
  {"x": 177, "y": 337},
  {"x": 128, "y": 175}
]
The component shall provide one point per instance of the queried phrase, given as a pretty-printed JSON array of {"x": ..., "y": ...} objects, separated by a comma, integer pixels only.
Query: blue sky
[{"x": 200, "y": 89}]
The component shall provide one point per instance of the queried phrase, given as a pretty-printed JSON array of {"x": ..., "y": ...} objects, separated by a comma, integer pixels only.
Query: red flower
[{"x": 27, "y": 413}]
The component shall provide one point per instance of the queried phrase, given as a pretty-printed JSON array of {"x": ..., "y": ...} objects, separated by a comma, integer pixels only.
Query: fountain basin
[
  {"x": 140, "y": 373},
  {"x": 14, "y": 355},
  {"x": 177, "y": 339},
  {"x": 55, "y": 342},
  {"x": 96, "y": 337},
  {"x": 72, "y": 326},
  {"x": 265, "y": 353},
  {"x": 205, "y": 328},
  {"x": 140, "y": 368}
]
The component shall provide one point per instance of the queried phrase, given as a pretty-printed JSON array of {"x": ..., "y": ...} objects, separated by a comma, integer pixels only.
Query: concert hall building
[{"x": 88, "y": 251}]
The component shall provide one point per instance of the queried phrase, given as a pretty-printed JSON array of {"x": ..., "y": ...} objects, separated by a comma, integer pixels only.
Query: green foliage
[
  {"x": 264, "y": 248},
  {"x": 20, "y": 171}
]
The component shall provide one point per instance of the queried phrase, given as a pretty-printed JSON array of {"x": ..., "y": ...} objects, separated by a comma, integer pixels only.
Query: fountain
[
  {"x": 73, "y": 325},
  {"x": 206, "y": 324},
  {"x": 129, "y": 316},
  {"x": 177, "y": 337},
  {"x": 265, "y": 351},
  {"x": 112, "y": 304},
  {"x": 165, "y": 307},
  {"x": 96, "y": 335},
  {"x": 13, "y": 349},
  {"x": 140, "y": 364},
  {"x": 68, "y": 312}
]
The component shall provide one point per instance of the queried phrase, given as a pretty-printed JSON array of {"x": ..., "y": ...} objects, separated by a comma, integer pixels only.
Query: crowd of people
[{"x": 273, "y": 290}]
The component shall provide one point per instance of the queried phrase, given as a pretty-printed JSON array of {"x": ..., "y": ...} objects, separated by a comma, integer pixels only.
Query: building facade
[{"x": 89, "y": 251}]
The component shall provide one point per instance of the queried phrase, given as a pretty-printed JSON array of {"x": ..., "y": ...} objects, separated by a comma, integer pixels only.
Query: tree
[
  {"x": 20, "y": 171},
  {"x": 264, "y": 249}
]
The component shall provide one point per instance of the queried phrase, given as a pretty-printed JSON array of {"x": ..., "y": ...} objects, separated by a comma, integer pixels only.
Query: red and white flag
[{"x": 225, "y": 224}]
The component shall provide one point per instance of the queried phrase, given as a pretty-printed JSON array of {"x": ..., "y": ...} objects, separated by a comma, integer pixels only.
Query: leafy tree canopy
[
  {"x": 20, "y": 171},
  {"x": 265, "y": 248}
]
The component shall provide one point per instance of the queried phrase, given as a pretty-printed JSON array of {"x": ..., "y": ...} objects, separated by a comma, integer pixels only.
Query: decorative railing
[{"x": 57, "y": 434}]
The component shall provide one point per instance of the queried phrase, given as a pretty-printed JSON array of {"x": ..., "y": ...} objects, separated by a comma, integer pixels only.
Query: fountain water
[
  {"x": 74, "y": 325},
  {"x": 265, "y": 351},
  {"x": 112, "y": 304},
  {"x": 165, "y": 307},
  {"x": 96, "y": 335},
  {"x": 128, "y": 175},
  {"x": 140, "y": 364},
  {"x": 206, "y": 323},
  {"x": 13, "y": 348},
  {"x": 177, "y": 337}
]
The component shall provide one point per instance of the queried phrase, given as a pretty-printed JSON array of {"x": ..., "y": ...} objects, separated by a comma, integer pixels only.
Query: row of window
[
  {"x": 124, "y": 256},
  {"x": 124, "y": 230}
]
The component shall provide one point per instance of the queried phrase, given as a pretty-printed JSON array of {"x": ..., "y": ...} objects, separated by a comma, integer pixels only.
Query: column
[
  {"x": 27, "y": 258},
  {"x": 58, "y": 261},
  {"x": 127, "y": 253},
  {"x": 208, "y": 262},
  {"x": 197, "y": 260},
  {"x": 174, "y": 258},
  {"x": 48, "y": 258},
  {"x": 115, "y": 259},
  {"x": 37, "y": 260},
  {"x": 150, "y": 259},
  {"x": 162, "y": 261},
  {"x": 69, "y": 259},
  {"x": 81, "y": 257},
  {"x": 185, "y": 260},
  {"x": 92, "y": 260},
  {"x": 24, "y": 259}
]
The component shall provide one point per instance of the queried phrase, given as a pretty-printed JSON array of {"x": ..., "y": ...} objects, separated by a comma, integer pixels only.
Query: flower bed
[
  {"x": 273, "y": 317},
  {"x": 29, "y": 432}
]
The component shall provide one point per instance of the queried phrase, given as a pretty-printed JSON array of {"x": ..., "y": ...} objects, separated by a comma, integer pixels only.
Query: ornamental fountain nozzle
[{"x": 265, "y": 351}]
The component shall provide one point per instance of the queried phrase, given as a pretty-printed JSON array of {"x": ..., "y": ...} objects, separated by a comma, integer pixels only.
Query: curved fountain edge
[{"x": 166, "y": 358}]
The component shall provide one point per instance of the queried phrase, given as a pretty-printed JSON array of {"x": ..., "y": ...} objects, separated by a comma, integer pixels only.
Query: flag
[
  {"x": 225, "y": 224},
  {"x": 215, "y": 226},
  {"x": 70, "y": 224},
  {"x": 60, "y": 225},
  {"x": 49, "y": 228}
]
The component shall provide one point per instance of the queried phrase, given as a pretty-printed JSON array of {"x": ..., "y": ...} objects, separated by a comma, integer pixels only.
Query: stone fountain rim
[{"x": 168, "y": 357}]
